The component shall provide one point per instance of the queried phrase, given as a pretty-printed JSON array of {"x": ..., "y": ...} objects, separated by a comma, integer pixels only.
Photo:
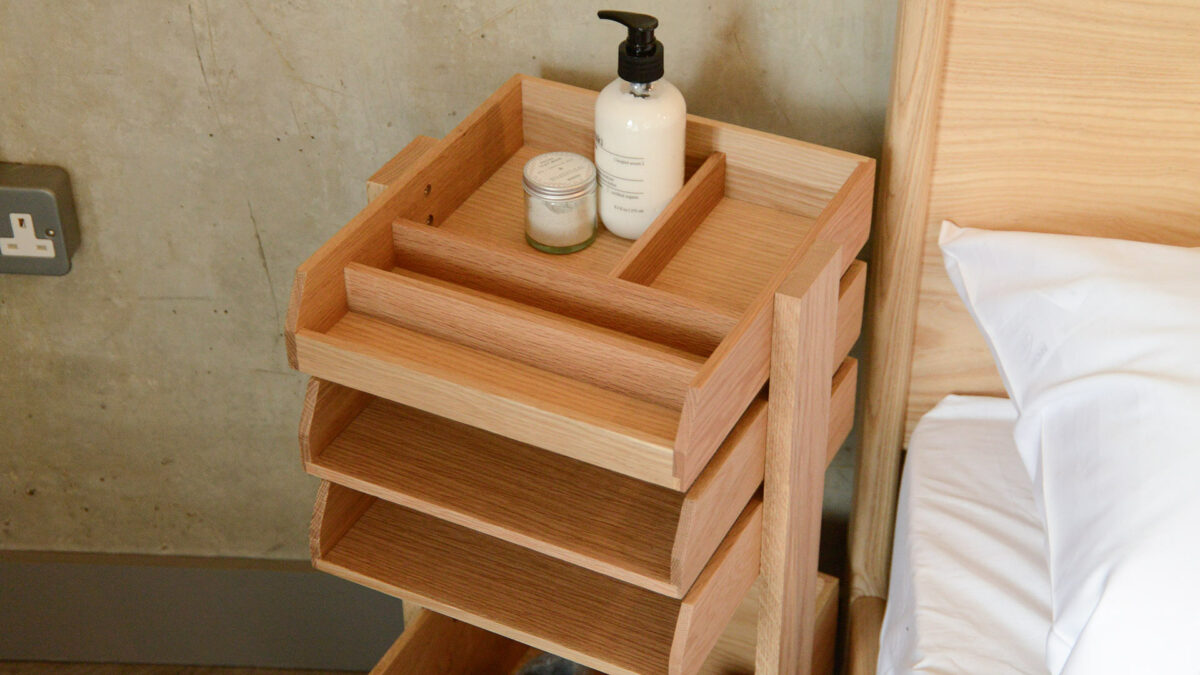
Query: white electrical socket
[
  {"x": 39, "y": 232},
  {"x": 24, "y": 242}
]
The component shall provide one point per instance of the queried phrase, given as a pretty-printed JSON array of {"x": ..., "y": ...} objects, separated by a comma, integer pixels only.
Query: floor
[{"x": 47, "y": 668}]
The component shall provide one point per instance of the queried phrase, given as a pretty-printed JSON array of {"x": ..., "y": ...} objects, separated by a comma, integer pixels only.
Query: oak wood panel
[
  {"x": 524, "y": 403},
  {"x": 908, "y": 150},
  {"x": 533, "y": 336},
  {"x": 547, "y": 603},
  {"x": 656, "y": 247},
  {"x": 1096, "y": 135},
  {"x": 797, "y": 446}
]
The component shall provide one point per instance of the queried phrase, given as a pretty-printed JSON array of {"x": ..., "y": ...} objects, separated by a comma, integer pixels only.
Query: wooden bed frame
[{"x": 1068, "y": 116}]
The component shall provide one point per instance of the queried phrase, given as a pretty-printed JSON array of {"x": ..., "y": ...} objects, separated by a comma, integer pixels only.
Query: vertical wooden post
[{"x": 798, "y": 418}]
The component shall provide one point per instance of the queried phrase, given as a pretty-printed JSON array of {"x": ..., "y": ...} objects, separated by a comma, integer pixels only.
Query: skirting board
[{"x": 194, "y": 611}]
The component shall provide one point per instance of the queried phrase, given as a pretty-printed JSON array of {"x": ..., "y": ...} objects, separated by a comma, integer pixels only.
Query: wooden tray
[
  {"x": 541, "y": 601},
  {"x": 641, "y": 533},
  {"x": 635, "y": 357},
  {"x": 437, "y": 643}
]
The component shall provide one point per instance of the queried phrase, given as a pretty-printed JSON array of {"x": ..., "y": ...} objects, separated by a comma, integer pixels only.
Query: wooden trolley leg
[{"x": 797, "y": 418}]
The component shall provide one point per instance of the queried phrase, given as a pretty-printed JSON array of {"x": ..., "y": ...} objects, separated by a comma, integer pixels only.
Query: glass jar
[{"x": 560, "y": 202}]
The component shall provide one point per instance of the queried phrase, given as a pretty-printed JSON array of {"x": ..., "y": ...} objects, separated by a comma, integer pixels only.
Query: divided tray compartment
[
  {"x": 635, "y": 357},
  {"x": 541, "y": 601},
  {"x": 638, "y": 532}
]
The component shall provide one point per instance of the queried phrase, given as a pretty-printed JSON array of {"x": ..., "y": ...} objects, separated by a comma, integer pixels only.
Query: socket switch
[{"x": 38, "y": 229}]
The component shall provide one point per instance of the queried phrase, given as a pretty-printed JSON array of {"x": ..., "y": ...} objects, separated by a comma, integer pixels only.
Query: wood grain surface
[
  {"x": 668, "y": 233},
  {"x": 546, "y": 603},
  {"x": 1063, "y": 116},
  {"x": 797, "y": 447},
  {"x": 511, "y": 330},
  {"x": 634, "y": 531},
  {"x": 505, "y": 397}
]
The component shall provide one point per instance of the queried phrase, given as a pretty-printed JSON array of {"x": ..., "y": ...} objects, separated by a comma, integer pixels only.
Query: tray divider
[
  {"x": 508, "y": 329},
  {"x": 637, "y": 310},
  {"x": 671, "y": 229}
]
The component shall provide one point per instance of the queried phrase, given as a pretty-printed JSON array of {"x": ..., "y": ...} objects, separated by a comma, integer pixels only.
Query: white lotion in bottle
[{"x": 641, "y": 120}]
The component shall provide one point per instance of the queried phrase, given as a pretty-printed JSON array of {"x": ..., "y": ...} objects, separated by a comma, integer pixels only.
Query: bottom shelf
[
  {"x": 437, "y": 643},
  {"x": 585, "y": 616},
  {"x": 434, "y": 643}
]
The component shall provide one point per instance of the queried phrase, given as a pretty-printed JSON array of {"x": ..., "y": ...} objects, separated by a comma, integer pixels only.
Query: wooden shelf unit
[
  {"x": 564, "y": 450},
  {"x": 641, "y": 533}
]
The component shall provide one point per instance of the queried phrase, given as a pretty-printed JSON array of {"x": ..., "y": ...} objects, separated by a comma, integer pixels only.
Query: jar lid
[{"x": 559, "y": 175}]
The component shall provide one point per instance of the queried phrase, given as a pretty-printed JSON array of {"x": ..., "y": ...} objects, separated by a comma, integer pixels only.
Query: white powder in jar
[{"x": 560, "y": 202}]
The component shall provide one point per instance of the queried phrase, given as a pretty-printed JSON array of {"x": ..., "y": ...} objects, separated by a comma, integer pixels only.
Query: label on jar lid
[{"x": 559, "y": 174}]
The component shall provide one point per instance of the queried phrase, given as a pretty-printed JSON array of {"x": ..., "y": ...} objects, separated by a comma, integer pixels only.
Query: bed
[{"x": 1071, "y": 116}]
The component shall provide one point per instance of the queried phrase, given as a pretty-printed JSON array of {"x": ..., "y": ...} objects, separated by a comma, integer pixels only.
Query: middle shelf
[
  {"x": 550, "y": 604},
  {"x": 645, "y": 534}
]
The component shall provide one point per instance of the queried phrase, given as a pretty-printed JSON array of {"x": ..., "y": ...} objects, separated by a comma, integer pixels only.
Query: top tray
[{"x": 635, "y": 356}]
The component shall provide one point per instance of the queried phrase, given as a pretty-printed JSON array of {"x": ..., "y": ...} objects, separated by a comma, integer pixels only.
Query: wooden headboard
[{"x": 1069, "y": 116}]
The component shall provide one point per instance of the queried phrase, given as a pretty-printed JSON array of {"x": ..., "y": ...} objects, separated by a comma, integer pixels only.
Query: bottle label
[{"x": 615, "y": 170}]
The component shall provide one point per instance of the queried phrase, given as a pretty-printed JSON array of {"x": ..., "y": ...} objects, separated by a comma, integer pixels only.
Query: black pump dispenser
[{"x": 640, "y": 56}]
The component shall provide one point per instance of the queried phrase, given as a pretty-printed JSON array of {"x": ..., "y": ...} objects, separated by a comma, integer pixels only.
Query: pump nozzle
[{"x": 640, "y": 56}]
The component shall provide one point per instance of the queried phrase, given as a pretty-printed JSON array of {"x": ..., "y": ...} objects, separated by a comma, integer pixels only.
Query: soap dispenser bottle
[{"x": 641, "y": 120}]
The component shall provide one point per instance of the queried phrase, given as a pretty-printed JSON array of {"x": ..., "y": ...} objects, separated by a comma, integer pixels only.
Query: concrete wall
[{"x": 145, "y": 400}]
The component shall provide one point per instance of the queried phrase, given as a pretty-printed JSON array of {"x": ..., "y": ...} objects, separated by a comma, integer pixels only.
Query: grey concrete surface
[
  {"x": 145, "y": 401},
  {"x": 190, "y": 612}
]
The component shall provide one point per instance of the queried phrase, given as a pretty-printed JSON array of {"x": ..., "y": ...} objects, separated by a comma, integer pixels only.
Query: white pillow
[{"x": 1098, "y": 342}]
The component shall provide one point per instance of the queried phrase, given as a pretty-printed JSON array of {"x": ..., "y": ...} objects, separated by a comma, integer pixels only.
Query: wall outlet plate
[{"x": 38, "y": 228}]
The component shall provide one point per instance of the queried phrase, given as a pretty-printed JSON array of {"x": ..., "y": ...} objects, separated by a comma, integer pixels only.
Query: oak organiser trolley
[{"x": 568, "y": 452}]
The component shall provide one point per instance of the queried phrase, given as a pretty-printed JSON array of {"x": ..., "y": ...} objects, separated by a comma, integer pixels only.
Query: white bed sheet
[{"x": 970, "y": 588}]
